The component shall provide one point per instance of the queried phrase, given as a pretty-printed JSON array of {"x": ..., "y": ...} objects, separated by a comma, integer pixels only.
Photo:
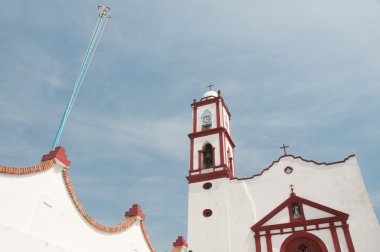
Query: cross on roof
[
  {"x": 210, "y": 86},
  {"x": 284, "y": 147},
  {"x": 291, "y": 188}
]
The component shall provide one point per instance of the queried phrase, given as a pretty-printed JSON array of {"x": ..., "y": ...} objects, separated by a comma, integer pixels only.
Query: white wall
[
  {"x": 37, "y": 212},
  {"x": 239, "y": 204}
]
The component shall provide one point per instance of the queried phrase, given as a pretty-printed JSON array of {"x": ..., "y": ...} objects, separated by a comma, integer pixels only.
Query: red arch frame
[{"x": 315, "y": 238}]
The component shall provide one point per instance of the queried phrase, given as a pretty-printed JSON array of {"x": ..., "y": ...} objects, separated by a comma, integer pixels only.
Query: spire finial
[{"x": 209, "y": 87}]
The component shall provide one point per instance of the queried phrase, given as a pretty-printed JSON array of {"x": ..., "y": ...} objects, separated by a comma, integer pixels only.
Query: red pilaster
[
  {"x": 335, "y": 238},
  {"x": 347, "y": 235},
  {"x": 268, "y": 239},
  {"x": 257, "y": 242},
  {"x": 192, "y": 154},
  {"x": 221, "y": 146},
  {"x": 194, "y": 119},
  {"x": 199, "y": 160}
]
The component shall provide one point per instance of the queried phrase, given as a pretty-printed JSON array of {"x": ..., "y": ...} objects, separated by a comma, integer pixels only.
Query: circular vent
[{"x": 207, "y": 212}]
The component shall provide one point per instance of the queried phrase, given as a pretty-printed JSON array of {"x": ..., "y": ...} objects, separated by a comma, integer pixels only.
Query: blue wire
[{"x": 79, "y": 80}]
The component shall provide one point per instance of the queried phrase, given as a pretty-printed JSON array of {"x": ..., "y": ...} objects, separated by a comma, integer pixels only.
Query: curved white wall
[{"x": 37, "y": 214}]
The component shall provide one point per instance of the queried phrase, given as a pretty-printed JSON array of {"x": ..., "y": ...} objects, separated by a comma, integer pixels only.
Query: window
[{"x": 208, "y": 156}]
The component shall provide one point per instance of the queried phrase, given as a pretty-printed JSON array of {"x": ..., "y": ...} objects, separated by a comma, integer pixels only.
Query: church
[{"x": 293, "y": 205}]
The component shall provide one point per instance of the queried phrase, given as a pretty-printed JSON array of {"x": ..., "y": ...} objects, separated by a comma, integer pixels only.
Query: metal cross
[
  {"x": 209, "y": 87},
  {"x": 302, "y": 247},
  {"x": 284, "y": 147},
  {"x": 291, "y": 188}
]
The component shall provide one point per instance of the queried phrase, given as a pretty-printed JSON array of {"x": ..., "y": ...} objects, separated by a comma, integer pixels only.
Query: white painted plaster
[
  {"x": 37, "y": 214},
  {"x": 339, "y": 186}
]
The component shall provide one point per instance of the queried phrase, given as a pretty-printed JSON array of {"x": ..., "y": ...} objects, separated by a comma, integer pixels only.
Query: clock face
[{"x": 206, "y": 120}]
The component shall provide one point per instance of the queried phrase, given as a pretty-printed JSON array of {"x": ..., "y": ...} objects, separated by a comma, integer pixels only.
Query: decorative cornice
[
  {"x": 26, "y": 170},
  {"x": 295, "y": 157},
  {"x": 58, "y": 153},
  {"x": 124, "y": 224}
]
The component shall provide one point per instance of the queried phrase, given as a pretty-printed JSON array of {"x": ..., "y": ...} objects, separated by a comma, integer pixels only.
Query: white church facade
[{"x": 294, "y": 205}]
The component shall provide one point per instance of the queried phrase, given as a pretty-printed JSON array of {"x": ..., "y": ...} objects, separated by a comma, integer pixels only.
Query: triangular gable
[{"x": 301, "y": 212}]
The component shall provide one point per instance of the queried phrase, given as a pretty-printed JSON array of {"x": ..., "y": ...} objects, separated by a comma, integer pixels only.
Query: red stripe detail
[
  {"x": 347, "y": 235},
  {"x": 269, "y": 242},
  {"x": 335, "y": 238}
]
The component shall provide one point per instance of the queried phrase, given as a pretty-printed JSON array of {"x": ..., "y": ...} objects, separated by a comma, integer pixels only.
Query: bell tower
[{"x": 211, "y": 146}]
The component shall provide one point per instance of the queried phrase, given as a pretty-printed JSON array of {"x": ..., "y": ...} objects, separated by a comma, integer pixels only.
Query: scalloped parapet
[
  {"x": 135, "y": 210},
  {"x": 58, "y": 153}
]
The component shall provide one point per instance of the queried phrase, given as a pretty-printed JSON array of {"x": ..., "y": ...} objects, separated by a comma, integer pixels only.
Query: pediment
[{"x": 297, "y": 211}]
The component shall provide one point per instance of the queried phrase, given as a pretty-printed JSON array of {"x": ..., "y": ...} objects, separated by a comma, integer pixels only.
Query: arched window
[
  {"x": 296, "y": 211},
  {"x": 206, "y": 120},
  {"x": 207, "y": 156}
]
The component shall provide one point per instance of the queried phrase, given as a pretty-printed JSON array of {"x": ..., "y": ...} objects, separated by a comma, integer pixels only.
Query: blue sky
[{"x": 303, "y": 73}]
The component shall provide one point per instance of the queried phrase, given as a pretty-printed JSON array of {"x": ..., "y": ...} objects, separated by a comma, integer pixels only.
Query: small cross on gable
[{"x": 284, "y": 147}]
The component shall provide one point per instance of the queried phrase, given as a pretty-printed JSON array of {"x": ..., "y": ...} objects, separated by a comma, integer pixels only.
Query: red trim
[
  {"x": 300, "y": 235},
  {"x": 135, "y": 210},
  {"x": 213, "y": 157},
  {"x": 208, "y": 176},
  {"x": 269, "y": 242},
  {"x": 191, "y": 154},
  {"x": 180, "y": 242},
  {"x": 302, "y": 218},
  {"x": 210, "y": 132},
  {"x": 217, "y": 114},
  {"x": 221, "y": 148},
  {"x": 205, "y": 102},
  {"x": 339, "y": 216},
  {"x": 258, "y": 242},
  {"x": 298, "y": 157},
  {"x": 335, "y": 238},
  {"x": 58, "y": 153},
  {"x": 194, "y": 119},
  {"x": 199, "y": 159},
  {"x": 347, "y": 235}
]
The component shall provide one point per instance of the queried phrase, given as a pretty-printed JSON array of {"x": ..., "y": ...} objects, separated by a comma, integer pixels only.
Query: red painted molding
[
  {"x": 217, "y": 114},
  {"x": 334, "y": 237},
  {"x": 347, "y": 235},
  {"x": 210, "y": 132},
  {"x": 268, "y": 239},
  {"x": 208, "y": 176},
  {"x": 191, "y": 154},
  {"x": 258, "y": 242},
  {"x": 180, "y": 242},
  {"x": 294, "y": 157},
  {"x": 338, "y": 216},
  {"x": 135, "y": 210},
  {"x": 303, "y": 234},
  {"x": 58, "y": 153},
  {"x": 195, "y": 119}
]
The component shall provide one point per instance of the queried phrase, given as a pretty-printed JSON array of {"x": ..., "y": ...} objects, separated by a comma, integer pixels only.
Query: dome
[{"x": 210, "y": 94}]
